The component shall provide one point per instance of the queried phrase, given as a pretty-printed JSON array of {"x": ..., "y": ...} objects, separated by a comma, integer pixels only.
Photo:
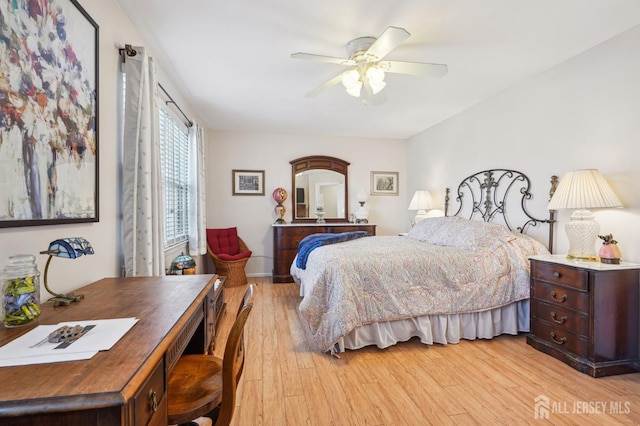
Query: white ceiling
[{"x": 230, "y": 59}]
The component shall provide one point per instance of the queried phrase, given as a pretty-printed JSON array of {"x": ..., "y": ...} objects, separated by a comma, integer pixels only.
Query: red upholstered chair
[{"x": 230, "y": 255}]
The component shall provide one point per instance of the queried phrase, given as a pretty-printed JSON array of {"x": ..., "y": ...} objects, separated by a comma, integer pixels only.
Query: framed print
[
  {"x": 384, "y": 183},
  {"x": 248, "y": 182},
  {"x": 48, "y": 113}
]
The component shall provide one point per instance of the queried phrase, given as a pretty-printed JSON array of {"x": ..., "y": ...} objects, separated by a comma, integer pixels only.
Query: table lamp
[
  {"x": 69, "y": 248},
  {"x": 182, "y": 265},
  {"x": 421, "y": 201},
  {"x": 362, "y": 214},
  {"x": 582, "y": 190}
]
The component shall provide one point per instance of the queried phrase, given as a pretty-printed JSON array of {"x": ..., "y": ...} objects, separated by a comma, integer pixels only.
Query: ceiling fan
[{"x": 368, "y": 68}]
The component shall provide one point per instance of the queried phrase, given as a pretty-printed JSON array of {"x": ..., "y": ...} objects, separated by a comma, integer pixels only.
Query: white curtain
[
  {"x": 197, "y": 219},
  {"x": 143, "y": 224}
]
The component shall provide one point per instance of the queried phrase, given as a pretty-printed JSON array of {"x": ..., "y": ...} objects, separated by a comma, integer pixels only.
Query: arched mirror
[{"x": 319, "y": 188}]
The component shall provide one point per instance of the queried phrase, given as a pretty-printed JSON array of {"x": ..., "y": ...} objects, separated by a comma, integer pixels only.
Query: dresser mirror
[{"x": 319, "y": 188}]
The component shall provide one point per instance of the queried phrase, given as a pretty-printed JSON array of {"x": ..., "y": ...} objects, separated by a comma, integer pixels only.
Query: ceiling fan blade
[
  {"x": 315, "y": 92},
  {"x": 322, "y": 58},
  {"x": 414, "y": 68},
  {"x": 389, "y": 40}
]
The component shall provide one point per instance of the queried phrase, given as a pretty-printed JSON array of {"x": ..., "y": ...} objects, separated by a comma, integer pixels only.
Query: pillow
[
  {"x": 461, "y": 233},
  {"x": 223, "y": 241}
]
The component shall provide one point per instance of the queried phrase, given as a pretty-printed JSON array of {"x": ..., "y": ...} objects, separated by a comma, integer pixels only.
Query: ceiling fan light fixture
[
  {"x": 351, "y": 79},
  {"x": 375, "y": 78},
  {"x": 352, "y": 82},
  {"x": 355, "y": 89},
  {"x": 366, "y": 56}
]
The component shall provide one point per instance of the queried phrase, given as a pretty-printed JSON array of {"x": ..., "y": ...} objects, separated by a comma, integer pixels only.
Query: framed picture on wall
[
  {"x": 384, "y": 183},
  {"x": 248, "y": 182},
  {"x": 48, "y": 114}
]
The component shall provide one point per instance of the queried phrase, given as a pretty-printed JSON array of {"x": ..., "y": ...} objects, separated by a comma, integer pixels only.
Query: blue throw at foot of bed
[{"x": 313, "y": 241}]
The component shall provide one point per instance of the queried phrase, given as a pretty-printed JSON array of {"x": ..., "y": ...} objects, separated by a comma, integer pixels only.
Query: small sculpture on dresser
[{"x": 609, "y": 252}]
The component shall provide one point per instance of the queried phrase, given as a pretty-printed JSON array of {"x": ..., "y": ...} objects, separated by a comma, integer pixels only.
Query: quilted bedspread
[{"x": 388, "y": 278}]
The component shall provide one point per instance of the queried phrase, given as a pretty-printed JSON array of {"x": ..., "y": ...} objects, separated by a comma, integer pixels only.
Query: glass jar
[{"x": 20, "y": 291}]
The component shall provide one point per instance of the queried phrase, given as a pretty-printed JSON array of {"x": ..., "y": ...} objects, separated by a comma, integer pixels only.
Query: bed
[{"x": 462, "y": 276}]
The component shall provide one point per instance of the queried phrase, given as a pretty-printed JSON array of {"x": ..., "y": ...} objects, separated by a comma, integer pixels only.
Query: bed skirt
[{"x": 443, "y": 329}]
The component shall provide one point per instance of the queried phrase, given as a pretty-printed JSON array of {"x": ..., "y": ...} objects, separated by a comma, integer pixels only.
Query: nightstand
[{"x": 586, "y": 314}]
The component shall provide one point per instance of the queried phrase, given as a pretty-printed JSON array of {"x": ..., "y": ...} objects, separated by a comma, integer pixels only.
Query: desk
[{"x": 127, "y": 384}]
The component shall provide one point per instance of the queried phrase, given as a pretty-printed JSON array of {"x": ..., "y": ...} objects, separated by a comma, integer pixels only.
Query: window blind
[{"x": 174, "y": 161}]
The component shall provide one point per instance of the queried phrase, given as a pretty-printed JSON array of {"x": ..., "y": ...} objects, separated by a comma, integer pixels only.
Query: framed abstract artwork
[
  {"x": 48, "y": 113},
  {"x": 384, "y": 183},
  {"x": 248, "y": 182}
]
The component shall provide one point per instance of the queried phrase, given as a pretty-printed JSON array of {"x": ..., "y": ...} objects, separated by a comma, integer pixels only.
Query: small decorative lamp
[
  {"x": 421, "y": 201},
  {"x": 320, "y": 208},
  {"x": 69, "y": 248},
  {"x": 183, "y": 265},
  {"x": 362, "y": 214},
  {"x": 583, "y": 190},
  {"x": 280, "y": 195}
]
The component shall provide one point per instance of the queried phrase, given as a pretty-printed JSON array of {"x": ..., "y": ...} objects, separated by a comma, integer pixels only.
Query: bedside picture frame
[
  {"x": 384, "y": 183},
  {"x": 248, "y": 182}
]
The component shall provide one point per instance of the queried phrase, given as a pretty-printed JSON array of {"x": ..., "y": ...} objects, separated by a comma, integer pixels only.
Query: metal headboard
[{"x": 488, "y": 192}]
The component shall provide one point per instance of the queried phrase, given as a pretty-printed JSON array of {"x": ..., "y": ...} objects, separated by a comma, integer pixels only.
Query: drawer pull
[
  {"x": 555, "y": 319},
  {"x": 559, "y": 342},
  {"x": 556, "y": 274},
  {"x": 554, "y": 296},
  {"x": 153, "y": 398}
]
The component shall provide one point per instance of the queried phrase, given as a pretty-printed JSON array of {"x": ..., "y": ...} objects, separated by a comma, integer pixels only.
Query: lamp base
[
  {"x": 582, "y": 232},
  {"x": 420, "y": 216}
]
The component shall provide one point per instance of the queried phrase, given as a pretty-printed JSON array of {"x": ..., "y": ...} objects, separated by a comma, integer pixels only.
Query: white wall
[
  {"x": 115, "y": 30},
  {"x": 254, "y": 215},
  {"x": 583, "y": 113}
]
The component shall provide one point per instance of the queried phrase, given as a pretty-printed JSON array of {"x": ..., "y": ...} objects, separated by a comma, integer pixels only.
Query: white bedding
[{"x": 448, "y": 279}]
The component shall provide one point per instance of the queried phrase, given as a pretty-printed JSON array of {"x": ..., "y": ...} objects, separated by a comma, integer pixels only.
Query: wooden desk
[{"x": 126, "y": 384}]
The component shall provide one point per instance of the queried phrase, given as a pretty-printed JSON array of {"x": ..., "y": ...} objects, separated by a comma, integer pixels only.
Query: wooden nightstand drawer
[
  {"x": 560, "y": 274},
  {"x": 562, "y": 318},
  {"x": 562, "y": 338},
  {"x": 565, "y": 297},
  {"x": 586, "y": 314}
]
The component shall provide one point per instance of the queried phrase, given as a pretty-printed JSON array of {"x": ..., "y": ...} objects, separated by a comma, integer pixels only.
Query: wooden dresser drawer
[
  {"x": 557, "y": 295},
  {"x": 562, "y": 338},
  {"x": 560, "y": 274},
  {"x": 150, "y": 401},
  {"x": 560, "y": 317},
  {"x": 291, "y": 242}
]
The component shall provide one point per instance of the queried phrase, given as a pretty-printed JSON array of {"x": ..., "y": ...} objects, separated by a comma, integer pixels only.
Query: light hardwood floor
[{"x": 474, "y": 382}]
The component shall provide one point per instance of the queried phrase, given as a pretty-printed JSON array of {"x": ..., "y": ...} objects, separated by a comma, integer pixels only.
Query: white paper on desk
[
  {"x": 45, "y": 359},
  {"x": 34, "y": 348}
]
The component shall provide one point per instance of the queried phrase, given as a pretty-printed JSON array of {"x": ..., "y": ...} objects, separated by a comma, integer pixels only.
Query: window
[{"x": 174, "y": 162}]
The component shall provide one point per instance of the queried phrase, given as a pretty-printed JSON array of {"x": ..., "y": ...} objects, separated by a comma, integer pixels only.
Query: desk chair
[{"x": 200, "y": 384}]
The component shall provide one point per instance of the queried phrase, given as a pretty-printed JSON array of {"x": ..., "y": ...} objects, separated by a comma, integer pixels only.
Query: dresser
[
  {"x": 286, "y": 238},
  {"x": 586, "y": 314},
  {"x": 125, "y": 385}
]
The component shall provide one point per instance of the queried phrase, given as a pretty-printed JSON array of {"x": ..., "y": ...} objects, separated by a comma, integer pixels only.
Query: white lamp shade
[
  {"x": 362, "y": 196},
  {"x": 583, "y": 189},
  {"x": 375, "y": 78},
  {"x": 421, "y": 200}
]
